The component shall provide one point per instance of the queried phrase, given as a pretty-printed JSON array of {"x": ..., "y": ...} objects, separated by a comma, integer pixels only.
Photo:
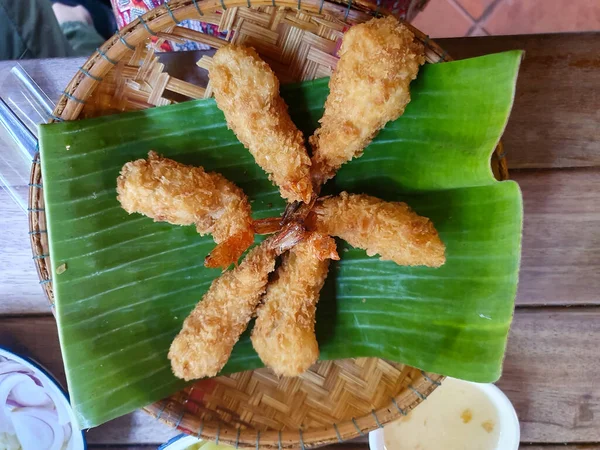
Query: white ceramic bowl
[
  {"x": 78, "y": 440},
  {"x": 508, "y": 422}
]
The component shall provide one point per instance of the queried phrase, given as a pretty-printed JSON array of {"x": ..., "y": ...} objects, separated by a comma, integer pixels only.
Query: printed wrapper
[{"x": 126, "y": 11}]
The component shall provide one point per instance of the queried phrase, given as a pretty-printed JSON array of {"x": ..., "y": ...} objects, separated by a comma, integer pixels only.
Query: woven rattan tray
[{"x": 335, "y": 400}]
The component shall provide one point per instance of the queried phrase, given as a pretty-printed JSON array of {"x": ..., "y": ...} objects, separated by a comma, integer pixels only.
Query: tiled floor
[{"x": 450, "y": 18}]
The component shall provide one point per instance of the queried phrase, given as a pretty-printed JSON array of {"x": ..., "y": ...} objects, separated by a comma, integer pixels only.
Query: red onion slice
[
  {"x": 37, "y": 428},
  {"x": 32, "y": 410}
]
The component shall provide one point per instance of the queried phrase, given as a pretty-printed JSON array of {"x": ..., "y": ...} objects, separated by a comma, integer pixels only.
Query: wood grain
[
  {"x": 129, "y": 447},
  {"x": 555, "y": 117},
  {"x": 20, "y": 291},
  {"x": 551, "y": 362},
  {"x": 560, "y": 262},
  {"x": 561, "y": 447},
  {"x": 137, "y": 427},
  {"x": 550, "y": 374}
]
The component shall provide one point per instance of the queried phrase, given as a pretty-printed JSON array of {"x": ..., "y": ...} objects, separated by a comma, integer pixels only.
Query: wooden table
[{"x": 553, "y": 144}]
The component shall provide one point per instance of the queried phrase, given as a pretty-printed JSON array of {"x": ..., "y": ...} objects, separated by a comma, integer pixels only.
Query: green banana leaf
[{"x": 129, "y": 282}]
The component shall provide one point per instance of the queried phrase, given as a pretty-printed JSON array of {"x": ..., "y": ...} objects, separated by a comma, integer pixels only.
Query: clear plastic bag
[{"x": 23, "y": 105}]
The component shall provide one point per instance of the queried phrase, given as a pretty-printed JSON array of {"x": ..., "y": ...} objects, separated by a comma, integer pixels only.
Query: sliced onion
[
  {"x": 12, "y": 366},
  {"x": 8, "y": 383},
  {"x": 32, "y": 409},
  {"x": 37, "y": 428},
  {"x": 28, "y": 393},
  {"x": 60, "y": 405}
]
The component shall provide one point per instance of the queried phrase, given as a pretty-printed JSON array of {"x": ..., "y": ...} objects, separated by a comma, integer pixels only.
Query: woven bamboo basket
[{"x": 335, "y": 400}]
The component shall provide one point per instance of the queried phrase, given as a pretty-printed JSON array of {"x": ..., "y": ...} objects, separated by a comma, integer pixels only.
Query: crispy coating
[
  {"x": 284, "y": 333},
  {"x": 369, "y": 88},
  {"x": 390, "y": 229},
  {"x": 247, "y": 91},
  {"x": 209, "y": 333},
  {"x": 168, "y": 191}
]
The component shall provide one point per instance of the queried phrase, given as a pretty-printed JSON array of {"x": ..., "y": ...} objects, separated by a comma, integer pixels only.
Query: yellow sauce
[{"x": 456, "y": 416}]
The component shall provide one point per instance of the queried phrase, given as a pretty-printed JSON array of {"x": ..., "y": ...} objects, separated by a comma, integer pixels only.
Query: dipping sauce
[{"x": 456, "y": 416}]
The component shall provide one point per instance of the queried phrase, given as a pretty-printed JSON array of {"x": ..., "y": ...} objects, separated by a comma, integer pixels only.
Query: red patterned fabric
[{"x": 126, "y": 11}]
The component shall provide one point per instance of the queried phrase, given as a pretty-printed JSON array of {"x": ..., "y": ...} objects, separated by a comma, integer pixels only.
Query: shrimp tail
[
  {"x": 230, "y": 250},
  {"x": 291, "y": 234},
  {"x": 269, "y": 225}
]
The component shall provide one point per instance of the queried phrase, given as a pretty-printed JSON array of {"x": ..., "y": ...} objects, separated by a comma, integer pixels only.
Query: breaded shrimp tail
[
  {"x": 369, "y": 88},
  {"x": 390, "y": 229},
  {"x": 209, "y": 333},
  {"x": 284, "y": 333},
  {"x": 247, "y": 91},
  {"x": 168, "y": 191}
]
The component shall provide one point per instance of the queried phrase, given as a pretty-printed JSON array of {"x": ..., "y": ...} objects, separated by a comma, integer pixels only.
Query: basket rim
[
  {"x": 418, "y": 391},
  {"x": 82, "y": 85},
  {"x": 70, "y": 106}
]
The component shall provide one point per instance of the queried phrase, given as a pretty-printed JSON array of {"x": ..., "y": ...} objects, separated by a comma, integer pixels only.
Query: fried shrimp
[
  {"x": 390, "y": 229},
  {"x": 168, "y": 191},
  {"x": 369, "y": 88},
  {"x": 284, "y": 333},
  {"x": 247, "y": 91},
  {"x": 209, "y": 333}
]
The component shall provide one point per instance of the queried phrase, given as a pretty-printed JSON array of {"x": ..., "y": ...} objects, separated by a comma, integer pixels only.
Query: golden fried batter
[
  {"x": 168, "y": 191},
  {"x": 284, "y": 334},
  {"x": 369, "y": 88},
  {"x": 247, "y": 91},
  {"x": 390, "y": 229},
  {"x": 209, "y": 333}
]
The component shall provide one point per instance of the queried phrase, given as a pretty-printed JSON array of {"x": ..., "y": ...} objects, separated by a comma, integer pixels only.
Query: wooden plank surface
[
  {"x": 561, "y": 244},
  {"x": 550, "y": 374},
  {"x": 560, "y": 261},
  {"x": 550, "y": 371},
  {"x": 20, "y": 292},
  {"x": 137, "y": 427},
  {"x": 555, "y": 118},
  {"x": 560, "y": 447},
  {"x": 129, "y": 447}
]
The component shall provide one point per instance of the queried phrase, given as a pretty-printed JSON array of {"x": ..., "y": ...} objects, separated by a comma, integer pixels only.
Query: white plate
[{"x": 78, "y": 440}]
